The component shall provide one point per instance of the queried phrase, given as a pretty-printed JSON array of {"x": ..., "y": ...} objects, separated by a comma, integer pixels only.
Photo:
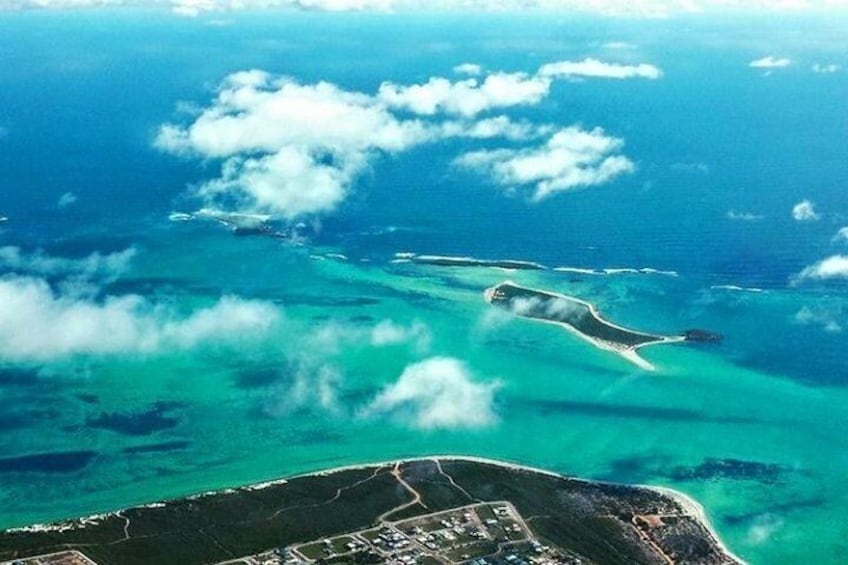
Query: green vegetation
[{"x": 588, "y": 519}]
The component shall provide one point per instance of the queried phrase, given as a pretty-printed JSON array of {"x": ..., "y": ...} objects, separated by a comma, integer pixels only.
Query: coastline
[
  {"x": 630, "y": 353},
  {"x": 697, "y": 510},
  {"x": 688, "y": 504}
]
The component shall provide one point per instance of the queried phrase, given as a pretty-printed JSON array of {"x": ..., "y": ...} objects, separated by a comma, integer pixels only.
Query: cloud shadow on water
[
  {"x": 257, "y": 377},
  {"x": 165, "y": 446},
  {"x": 146, "y": 422},
  {"x": 52, "y": 462},
  {"x": 602, "y": 410},
  {"x": 14, "y": 377},
  {"x": 780, "y": 508}
]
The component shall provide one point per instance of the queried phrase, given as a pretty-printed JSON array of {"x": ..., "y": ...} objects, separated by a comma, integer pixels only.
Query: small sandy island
[{"x": 577, "y": 316}]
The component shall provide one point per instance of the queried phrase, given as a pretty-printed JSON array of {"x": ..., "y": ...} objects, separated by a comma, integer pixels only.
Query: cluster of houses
[
  {"x": 390, "y": 539},
  {"x": 452, "y": 528},
  {"x": 441, "y": 536}
]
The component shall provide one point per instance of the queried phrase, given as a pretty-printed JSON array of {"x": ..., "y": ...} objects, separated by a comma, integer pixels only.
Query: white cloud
[
  {"x": 192, "y": 8},
  {"x": 489, "y": 128},
  {"x": 805, "y": 211},
  {"x": 306, "y": 143},
  {"x": 230, "y": 317},
  {"x": 770, "y": 62},
  {"x": 331, "y": 337},
  {"x": 614, "y": 8},
  {"x": 470, "y": 69},
  {"x": 571, "y": 158},
  {"x": 38, "y": 324},
  {"x": 564, "y": 308},
  {"x": 95, "y": 265},
  {"x": 493, "y": 318},
  {"x": 618, "y": 45},
  {"x": 841, "y": 235},
  {"x": 558, "y": 307},
  {"x": 743, "y": 216},
  {"x": 763, "y": 528},
  {"x": 291, "y": 182},
  {"x": 311, "y": 382},
  {"x": 60, "y": 4},
  {"x": 294, "y": 150},
  {"x": 467, "y": 97},
  {"x": 524, "y": 306},
  {"x": 66, "y": 200},
  {"x": 834, "y": 267},
  {"x": 437, "y": 393},
  {"x": 306, "y": 387},
  {"x": 593, "y": 68},
  {"x": 256, "y": 112},
  {"x": 388, "y": 332},
  {"x": 346, "y": 5},
  {"x": 826, "y": 318},
  {"x": 826, "y": 68}
]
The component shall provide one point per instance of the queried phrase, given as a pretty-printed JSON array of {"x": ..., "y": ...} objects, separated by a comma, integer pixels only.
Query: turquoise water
[{"x": 138, "y": 426}]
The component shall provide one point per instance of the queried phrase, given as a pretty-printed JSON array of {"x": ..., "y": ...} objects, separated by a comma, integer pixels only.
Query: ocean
[{"x": 751, "y": 427}]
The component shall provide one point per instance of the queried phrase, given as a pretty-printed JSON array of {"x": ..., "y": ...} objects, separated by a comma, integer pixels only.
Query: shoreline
[
  {"x": 689, "y": 505},
  {"x": 630, "y": 353},
  {"x": 697, "y": 510},
  {"x": 521, "y": 264},
  {"x": 467, "y": 261}
]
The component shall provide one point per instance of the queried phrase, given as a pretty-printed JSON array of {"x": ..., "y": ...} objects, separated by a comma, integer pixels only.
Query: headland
[{"x": 447, "y": 510}]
